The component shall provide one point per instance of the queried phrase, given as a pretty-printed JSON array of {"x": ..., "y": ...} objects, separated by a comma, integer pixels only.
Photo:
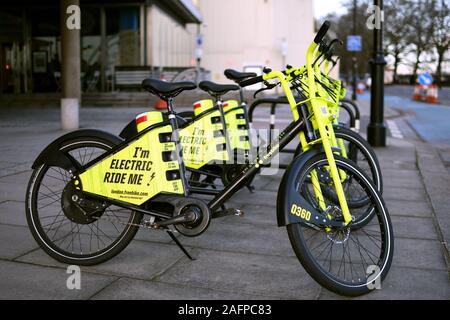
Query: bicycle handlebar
[
  {"x": 322, "y": 32},
  {"x": 251, "y": 81}
]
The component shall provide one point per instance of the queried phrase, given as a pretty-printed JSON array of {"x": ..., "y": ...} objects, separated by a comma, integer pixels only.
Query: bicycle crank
[{"x": 191, "y": 216}]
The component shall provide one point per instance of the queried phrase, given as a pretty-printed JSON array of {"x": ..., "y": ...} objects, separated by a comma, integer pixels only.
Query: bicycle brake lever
[{"x": 269, "y": 86}]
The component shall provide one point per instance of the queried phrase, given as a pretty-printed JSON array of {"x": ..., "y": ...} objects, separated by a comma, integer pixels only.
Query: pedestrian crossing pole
[{"x": 376, "y": 130}]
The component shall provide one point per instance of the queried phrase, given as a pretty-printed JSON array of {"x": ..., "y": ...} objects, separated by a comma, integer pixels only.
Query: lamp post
[
  {"x": 354, "y": 65},
  {"x": 376, "y": 130}
]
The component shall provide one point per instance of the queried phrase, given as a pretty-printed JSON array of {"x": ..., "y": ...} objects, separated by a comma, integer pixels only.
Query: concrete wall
[
  {"x": 239, "y": 33},
  {"x": 170, "y": 43}
]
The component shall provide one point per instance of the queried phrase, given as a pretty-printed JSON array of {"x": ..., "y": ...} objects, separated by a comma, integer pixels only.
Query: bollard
[
  {"x": 432, "y": 94},
  {"x": 69, "y": 113}
]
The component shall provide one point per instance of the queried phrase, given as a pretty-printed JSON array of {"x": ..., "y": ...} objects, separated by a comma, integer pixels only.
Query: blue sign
[
  {"x": 425, "y": 79},
  {"x": 354, "y": 43},
  {"x": 199, "y": 40}
]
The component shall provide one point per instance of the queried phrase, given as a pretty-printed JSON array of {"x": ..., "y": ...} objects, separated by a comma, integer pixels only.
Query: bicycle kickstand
[{"x": 178, "y": 243}]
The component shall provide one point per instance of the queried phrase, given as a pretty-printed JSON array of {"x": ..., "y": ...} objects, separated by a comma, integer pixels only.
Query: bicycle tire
[{"x": 296, "y": 233}]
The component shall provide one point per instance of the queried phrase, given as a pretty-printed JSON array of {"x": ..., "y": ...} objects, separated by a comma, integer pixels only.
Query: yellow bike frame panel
[
  {"x": 202, "y": 106},
  {"x": 147, "y": 119},
  {"x": 203, "y": 141},
  {"x": 236, "y": 125},
  {"x": 137, "y": 172}
]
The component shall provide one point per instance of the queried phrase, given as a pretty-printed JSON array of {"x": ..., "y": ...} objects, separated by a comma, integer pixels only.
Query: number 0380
[{"x": 300, "y": 212}]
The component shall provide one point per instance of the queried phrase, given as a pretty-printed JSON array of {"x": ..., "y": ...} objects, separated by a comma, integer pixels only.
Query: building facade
[
  {"x": 150, "y": 34},
  {"x": 251, "y": 34},
  {"x": 113, "y": 34}
]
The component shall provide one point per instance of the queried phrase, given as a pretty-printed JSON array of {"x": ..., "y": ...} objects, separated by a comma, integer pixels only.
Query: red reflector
[
  {"x": 225, "y": 105},
  {"x": 141, "y": 119},
  {"x": 197, "y": 105}
]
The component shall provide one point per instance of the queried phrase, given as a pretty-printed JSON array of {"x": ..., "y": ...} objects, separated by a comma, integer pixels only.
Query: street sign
[
  {"x": 354, "y": 43},
  {"x": 199, "y": 46},
  {"x": 425, "y": 79}
]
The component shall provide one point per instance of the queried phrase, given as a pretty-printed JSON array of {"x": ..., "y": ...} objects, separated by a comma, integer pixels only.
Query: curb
[{"x": 437, "y": 185}]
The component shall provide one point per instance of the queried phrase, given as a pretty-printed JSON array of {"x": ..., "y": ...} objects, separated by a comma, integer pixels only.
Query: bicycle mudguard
[
  {"x": 291, "y": 206},
  {"x": 129, "y": 131},
  {"x": 53, "y": 156}
]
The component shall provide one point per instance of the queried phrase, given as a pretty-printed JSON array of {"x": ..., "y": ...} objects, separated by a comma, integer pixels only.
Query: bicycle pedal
[{"x": 228, "y": 212}]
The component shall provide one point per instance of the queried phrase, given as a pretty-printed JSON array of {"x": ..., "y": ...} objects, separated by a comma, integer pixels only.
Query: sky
[{"x": 323, "y": 7}]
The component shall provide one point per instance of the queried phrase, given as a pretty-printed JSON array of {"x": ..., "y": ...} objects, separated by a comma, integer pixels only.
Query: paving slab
[
  {"x": 245, "y": 238},
  {"x": 13, "y": 213},
  {"x": 269, "y": 183},
  {"x": 418, "y": 253},
  {"x": 15, "y": 169},
  {"x": 393, "y": 180},
  {"x": 261, "y": 197},
  {"x": 413, "y": 227},
  {"x": 406, "y": 194},
  {"x": 393, "y": 174},
  {"x": 24, "y": 281},
  {"x": 153, "y": 236},
  {"x": 14, "y": 192},
  {"x": 408, "y": 208},
  {"x": 142, "y": 260},
  {"x": 397, "y": 164},
  {"x": 132, "y": 289},
  {"x": 21, "y": 178},
  {"x": 16, "y": 241},
  {"x": 255, "y": 214},
  {"x": 14, "y": 186},
  {"x": 280, "y": 277},
  {"x": 437, "y": 183},
  {"x": 405, "y": 284},
  {"x": 274, "y": 184}
]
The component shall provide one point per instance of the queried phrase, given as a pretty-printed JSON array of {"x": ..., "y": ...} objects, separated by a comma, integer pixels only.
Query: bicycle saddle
[
  {"x": 217, "y": 89},
  {"x": 165, "y": 89},
  {"x": 238, "y": 76}
]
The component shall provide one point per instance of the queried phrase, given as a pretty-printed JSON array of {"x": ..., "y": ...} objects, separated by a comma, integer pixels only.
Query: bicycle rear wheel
[{"x": 60, "y": 228}]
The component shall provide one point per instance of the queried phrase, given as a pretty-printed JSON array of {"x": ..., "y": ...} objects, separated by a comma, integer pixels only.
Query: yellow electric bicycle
[{"x": 91, "y": 191}]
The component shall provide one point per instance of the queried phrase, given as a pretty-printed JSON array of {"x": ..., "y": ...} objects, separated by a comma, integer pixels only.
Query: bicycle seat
[
  {"x": 217, "y": 89},
  {"x": 166, "y": 90},
  {"x": 238, "y": 76}
]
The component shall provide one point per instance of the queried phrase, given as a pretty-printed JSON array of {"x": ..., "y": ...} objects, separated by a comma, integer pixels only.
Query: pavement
[{"x": 241, "y": 258}]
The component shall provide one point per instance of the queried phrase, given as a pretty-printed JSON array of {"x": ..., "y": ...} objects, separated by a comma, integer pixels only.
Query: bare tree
[
  {"x": 341, "y": 27},
  {"x": 397, "y": 16},
  {"x": 440, "y": 37},
  {"x": 420, "y": 30}
]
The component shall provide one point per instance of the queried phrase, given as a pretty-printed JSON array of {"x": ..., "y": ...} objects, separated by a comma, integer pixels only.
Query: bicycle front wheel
[{"x": 350, "y": 260}]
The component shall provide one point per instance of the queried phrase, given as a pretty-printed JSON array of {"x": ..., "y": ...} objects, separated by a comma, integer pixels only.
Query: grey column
[
  {"x": 103, "y": 51},
  {"x": 70, "y": 69}
]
